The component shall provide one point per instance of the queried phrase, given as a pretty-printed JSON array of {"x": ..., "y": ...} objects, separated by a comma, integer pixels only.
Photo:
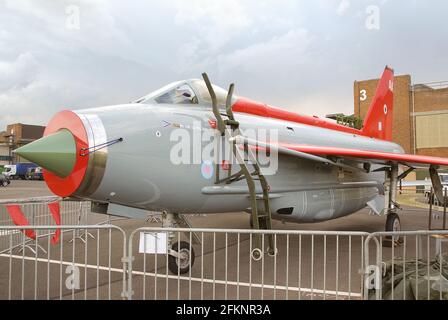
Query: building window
[
  {"x": 432, "y": 131},
  {"x": 5, "y": 158}
]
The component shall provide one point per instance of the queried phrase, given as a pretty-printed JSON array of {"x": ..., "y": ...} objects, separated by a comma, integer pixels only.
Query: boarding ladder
[{"x": 245, "y": 158}]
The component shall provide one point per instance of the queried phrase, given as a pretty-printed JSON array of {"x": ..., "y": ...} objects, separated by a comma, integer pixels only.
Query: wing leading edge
[
  {"x": 378, "y": 157},
  {"x": 320, "y": 153}
]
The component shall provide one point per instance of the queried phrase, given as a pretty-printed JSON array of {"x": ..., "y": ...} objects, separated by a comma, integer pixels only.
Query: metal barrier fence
[
  {"x": 414, "y": 267},
  {"x": 70, "y": 269},
  {"x": 308, "y": 265},
  {"x": 37, "y": 213}
]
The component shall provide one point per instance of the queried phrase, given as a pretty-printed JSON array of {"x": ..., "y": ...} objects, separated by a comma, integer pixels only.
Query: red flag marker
[
  {"x": 55, "y": 211},
  {"x": 19, "y": 219}
]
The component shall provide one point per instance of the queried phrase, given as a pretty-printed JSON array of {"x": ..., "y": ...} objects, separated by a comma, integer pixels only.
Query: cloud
[
  {"x": 214, "y": 24},
  {"x": 217, "y": 21},
  {"x": 296, "y": 54},
  {"x": 278, "y": 54},
  {"x": 343, "y": 7},
  {"x": 18, "y": 73}
]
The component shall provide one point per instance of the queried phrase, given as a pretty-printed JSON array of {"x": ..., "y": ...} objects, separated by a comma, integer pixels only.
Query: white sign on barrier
[{"x": 155, "y": 242}]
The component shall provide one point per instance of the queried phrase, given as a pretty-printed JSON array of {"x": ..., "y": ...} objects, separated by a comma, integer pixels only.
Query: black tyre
[
  {"x": 5, "y": 183},
  {"x": 181, "y": 265},
  {"x": 393, "y": 224}
]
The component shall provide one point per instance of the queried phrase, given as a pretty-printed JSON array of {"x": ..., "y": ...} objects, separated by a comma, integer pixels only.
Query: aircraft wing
[
  {"x": 378, "y": 157},
  {"x": 336, "y": 156},
  {"x": 331, "y": 155}
]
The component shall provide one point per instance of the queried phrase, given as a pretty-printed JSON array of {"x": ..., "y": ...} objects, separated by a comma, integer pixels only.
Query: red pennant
[
  {"x": 19, "y": 219},
  {"x": 55, "y": 211}
]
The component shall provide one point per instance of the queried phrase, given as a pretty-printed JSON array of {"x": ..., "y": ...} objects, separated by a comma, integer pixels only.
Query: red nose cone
[{"x": 69, "y": 120}]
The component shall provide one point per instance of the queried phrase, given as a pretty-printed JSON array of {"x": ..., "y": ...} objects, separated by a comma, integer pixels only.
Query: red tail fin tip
[{"x": 379, "y": 119}]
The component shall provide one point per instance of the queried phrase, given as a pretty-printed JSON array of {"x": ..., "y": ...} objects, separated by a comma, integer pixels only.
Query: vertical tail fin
[{"x": 379, "y": 118}]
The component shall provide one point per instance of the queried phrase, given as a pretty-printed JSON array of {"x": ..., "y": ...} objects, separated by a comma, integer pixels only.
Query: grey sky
[{"x": 300, "y": 55}]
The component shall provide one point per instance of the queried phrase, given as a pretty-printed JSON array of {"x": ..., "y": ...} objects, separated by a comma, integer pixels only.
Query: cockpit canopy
[{"x": 193, "y": 92}]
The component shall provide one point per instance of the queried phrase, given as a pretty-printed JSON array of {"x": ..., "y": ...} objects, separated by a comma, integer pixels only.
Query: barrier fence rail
[
  {"x": 69, "y": 269},
  {"x": 307, "y": 265},
  {"x": 37, "y": 213},
  {"x": 416, "y": 267}
]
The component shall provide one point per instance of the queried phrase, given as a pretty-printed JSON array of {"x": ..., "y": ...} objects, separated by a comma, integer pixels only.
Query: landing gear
[
  {"x": 393, "y": 220},
  {"x": 181, "y": 263},
  {"x": 392, "y": 225},
  {"x": 181, "y": 254}
]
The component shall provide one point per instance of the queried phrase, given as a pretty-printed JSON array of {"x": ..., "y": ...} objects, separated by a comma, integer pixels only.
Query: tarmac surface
[{"x": 305, "y": 267}]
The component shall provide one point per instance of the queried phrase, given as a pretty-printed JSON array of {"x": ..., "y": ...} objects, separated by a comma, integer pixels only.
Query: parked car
[{"x": 4, "y": 181}]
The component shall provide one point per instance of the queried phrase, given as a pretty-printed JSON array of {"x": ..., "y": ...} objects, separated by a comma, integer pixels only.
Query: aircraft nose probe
[{"x": 55, "y": 152}]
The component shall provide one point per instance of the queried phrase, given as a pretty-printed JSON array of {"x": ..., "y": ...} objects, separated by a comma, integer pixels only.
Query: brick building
[
  {"x": 15, "y": 136},
  {"x": 420, "y": 114}
]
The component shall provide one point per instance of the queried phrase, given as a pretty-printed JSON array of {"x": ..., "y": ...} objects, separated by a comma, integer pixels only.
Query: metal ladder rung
[{"x": 233, "y": 125}]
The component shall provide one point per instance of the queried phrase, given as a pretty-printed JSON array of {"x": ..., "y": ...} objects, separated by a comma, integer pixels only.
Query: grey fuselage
[{"x": 138, "y": 172}]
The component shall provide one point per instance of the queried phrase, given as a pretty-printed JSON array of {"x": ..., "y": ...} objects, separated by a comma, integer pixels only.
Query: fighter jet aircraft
[{"x": 131, "y": 158}]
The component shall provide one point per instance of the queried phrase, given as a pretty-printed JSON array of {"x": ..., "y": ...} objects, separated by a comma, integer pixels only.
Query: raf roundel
[
  {"x": 207, "y": 170},
  {"x": 385, "y": 109}
]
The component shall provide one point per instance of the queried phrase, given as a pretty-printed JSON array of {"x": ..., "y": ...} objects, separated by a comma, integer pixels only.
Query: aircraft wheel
[
  {"x": 5, "y": 183},
  {"x": 393, "y": 224},
  {"x": 182, "y": 264}
]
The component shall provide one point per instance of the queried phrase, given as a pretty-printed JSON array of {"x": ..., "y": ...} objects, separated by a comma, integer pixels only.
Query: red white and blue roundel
[{"x": 207, "y": 169}]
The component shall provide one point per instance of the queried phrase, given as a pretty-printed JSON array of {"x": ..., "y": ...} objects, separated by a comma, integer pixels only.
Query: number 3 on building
[{"x": 363, "y": 95}]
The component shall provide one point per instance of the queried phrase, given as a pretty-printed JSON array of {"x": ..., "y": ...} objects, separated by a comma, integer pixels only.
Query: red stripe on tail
[{"x": 379, "y": 119}]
